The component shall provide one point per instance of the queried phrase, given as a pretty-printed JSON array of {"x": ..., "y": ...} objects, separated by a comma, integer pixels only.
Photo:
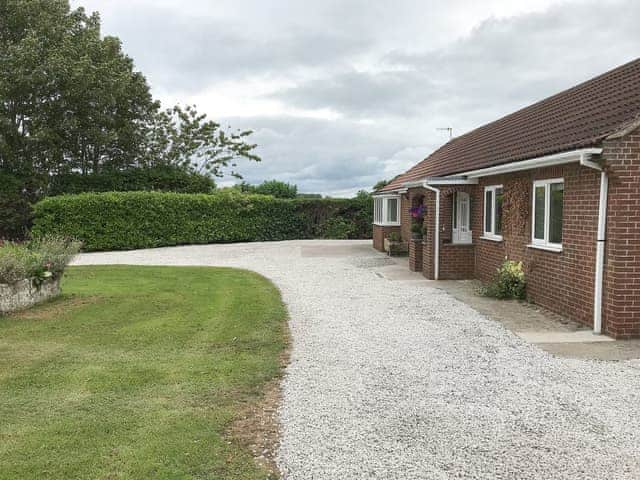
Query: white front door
[{"x": 461, "y": 218}]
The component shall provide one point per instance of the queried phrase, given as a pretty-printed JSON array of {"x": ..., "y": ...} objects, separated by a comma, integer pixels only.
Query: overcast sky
[{"x": 343, "y": 93}]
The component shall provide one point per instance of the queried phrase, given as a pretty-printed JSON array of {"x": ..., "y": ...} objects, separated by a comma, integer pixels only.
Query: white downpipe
[
  {"x": 600, "y": 244},
  {"x": 585, "y": 161},
  {"x": 436, "y": 250}
]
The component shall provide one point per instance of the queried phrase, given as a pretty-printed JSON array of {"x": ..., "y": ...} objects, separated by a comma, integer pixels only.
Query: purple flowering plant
[{"x": 417, "y": 212}]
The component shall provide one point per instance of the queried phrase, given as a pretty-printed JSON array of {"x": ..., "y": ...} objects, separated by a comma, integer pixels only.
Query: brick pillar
[
  {"x": 380, "y": 233},
  {"x": 405, "y": 218},
  {"x": 415, "y": 255},
  {"x": 621, "y": 309},
  {"x": 428, "y": 239}
]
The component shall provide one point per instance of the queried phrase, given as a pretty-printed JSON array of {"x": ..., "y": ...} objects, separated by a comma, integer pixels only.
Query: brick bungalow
[{"x": 555, "y": 185}]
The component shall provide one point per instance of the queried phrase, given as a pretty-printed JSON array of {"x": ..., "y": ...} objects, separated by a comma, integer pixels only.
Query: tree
[
  {"x": 15, "y": 208},
  {"x": 380, "y": 184},
  {"x": 69, "y": 99},
  {"x": 71, "y": 102},
  {"x": 185, "y": 138},
  {"x": 274, "y": 188}
]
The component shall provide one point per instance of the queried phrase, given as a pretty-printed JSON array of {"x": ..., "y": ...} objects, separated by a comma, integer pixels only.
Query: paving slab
[
  {"x": 579, "y": 336},
  {"x": 617, "y": 351},
  {"x": 548, "y": 331}
]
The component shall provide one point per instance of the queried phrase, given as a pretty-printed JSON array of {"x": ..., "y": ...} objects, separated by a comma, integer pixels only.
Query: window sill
[
  {"x": 545, "y": 247},
  {"x": 381, "y": 224},
  {"x": 492, "y": 239}
]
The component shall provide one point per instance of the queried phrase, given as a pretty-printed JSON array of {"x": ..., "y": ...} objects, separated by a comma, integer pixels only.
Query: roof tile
[{"x": 575, "y": 118}]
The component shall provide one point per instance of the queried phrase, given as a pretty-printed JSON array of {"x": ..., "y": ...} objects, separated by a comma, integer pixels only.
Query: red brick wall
[
  {"x": 415, "y": 255},
  {"x": 621, "y": 306},
  {"x": 562, "y": 282},
  {"x": 457, "y": 261},
  {"x": 380, "y": 233}
]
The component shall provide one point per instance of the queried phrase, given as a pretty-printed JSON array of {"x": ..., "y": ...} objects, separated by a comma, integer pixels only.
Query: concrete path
[
  {"x": 548, "y": 331},
  {"x": 396, "y": 379}
]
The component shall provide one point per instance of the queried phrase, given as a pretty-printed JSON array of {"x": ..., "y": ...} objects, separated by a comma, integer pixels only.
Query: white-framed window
[
  {"x": 386, "y": 210},
  {"x": 493, "y": 196},
  {"x": 546, "y": 218},
  {"x": 461, "y": 221}
]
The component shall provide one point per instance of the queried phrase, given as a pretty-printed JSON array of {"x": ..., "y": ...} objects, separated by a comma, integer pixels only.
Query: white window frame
[
  {"x": 544, "y": 243},
  {"x": 381, "y": 210},
  {"x": 490, "y": 234}
]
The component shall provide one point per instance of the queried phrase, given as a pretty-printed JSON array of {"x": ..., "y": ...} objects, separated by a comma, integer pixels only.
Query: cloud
[
  {"x": 189, "y": 46},
  {"x": 501, "y": 65},
  {"x": 181, "y": 53},
  {"x": 343, "y": 94},
  {"x": 321, "y": 156},
  {"x": 364, "y": 94}
]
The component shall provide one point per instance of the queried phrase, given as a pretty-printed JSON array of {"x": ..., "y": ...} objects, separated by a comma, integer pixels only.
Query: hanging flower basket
[{"x": 417, "y": 212}]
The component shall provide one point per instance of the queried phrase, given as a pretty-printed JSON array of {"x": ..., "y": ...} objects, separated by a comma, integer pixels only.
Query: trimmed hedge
[
  {"x": 129, "y": 220},
  {"x": 164, "y": 178},
  {"x": 347, "y": 218}
]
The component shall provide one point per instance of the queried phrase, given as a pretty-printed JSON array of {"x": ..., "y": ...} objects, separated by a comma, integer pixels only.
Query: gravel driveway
[{"x": 398, "y": 380}]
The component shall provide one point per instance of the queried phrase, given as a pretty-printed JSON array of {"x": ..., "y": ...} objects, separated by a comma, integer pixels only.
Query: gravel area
[{"x": 397, "y": 380}]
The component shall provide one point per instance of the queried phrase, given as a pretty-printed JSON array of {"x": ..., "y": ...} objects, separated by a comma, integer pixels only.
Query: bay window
[
  {"x": 386, "y": 210},
  {"x": 493, "y": 196},
  {"x": 548, "y": 203}
]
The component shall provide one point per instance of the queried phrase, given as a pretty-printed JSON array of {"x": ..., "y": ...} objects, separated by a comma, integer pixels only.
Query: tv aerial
[{"x": 448, "y": 129}]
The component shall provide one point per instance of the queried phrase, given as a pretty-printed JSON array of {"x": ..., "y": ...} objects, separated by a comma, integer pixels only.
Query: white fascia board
[
  {"x": 441, "y": 181},
  {"x": 451, "y": 181},
  {"x": 413, "y": 183},
  {"x": 470, "y": 177},
  {"x": 581, "y": 155},
  {"x": 391, "y": 193}
]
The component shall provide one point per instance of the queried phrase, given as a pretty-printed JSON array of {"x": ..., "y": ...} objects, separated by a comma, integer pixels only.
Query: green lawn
[{"x": 136, "y": 373}]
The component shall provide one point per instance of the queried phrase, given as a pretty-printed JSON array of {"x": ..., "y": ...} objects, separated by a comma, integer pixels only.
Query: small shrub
[
  {"x": 394, "y": 237},
  {"x": 37, "y": 259},
  {"x": 54, "y": 252},
  {"x": 509, "y": 282},
  {"x": 13, "y": 266}
]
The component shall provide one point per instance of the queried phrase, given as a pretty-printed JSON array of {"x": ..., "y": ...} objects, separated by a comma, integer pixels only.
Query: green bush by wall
[{"x": 128, "y": 220}]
